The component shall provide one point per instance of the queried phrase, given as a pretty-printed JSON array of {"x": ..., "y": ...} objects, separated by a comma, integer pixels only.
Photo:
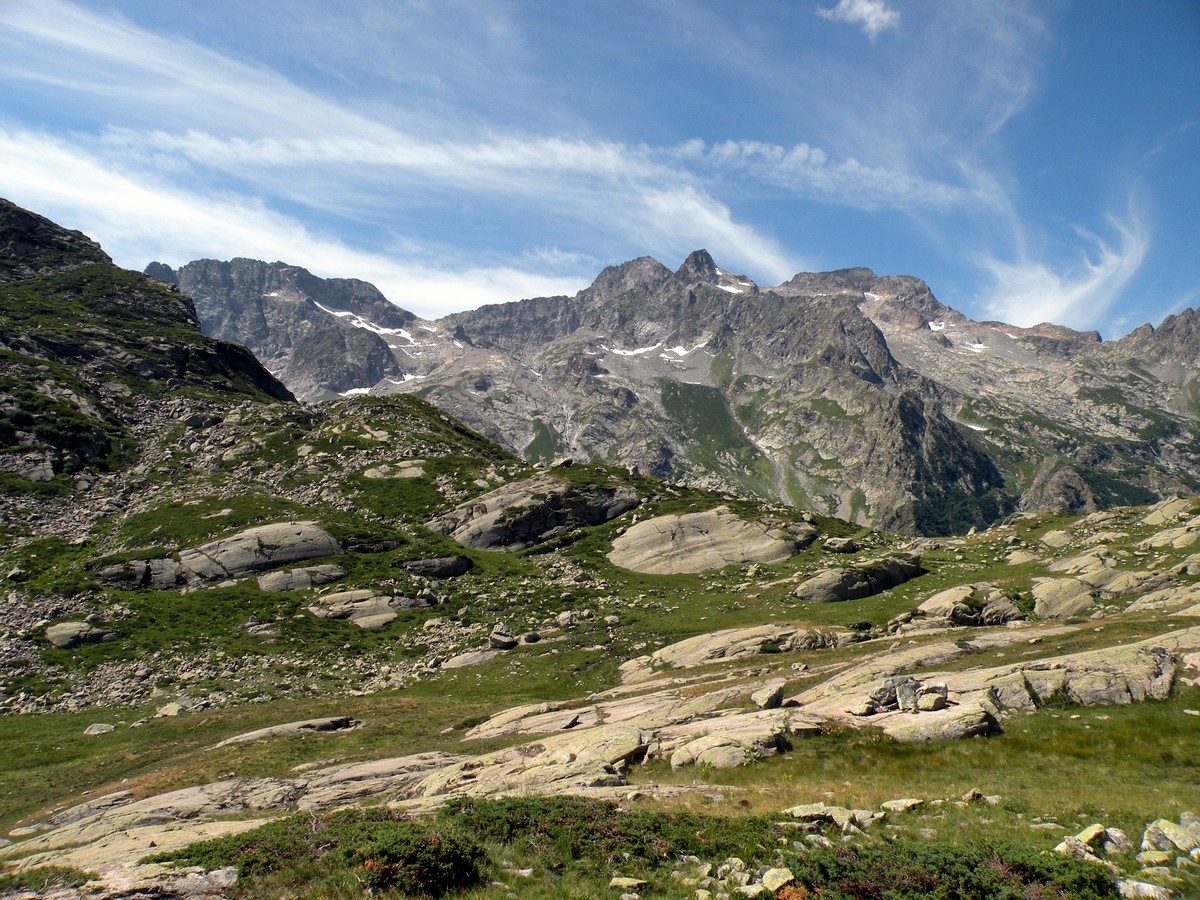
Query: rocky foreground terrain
[
  {"x": 223, "y": 608},
  {"x": 852, "y": 394}
]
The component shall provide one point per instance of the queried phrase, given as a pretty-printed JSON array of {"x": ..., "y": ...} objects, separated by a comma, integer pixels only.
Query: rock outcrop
[
  {"x": 701, "y": 541},
  {"x": 863, "y": 579},
  {"x": 532, "y": 511},
  {"x": 253, "y": 550}
]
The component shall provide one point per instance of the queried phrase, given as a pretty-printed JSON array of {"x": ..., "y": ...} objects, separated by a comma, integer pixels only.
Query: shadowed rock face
[{"x": 84, "y": 341}]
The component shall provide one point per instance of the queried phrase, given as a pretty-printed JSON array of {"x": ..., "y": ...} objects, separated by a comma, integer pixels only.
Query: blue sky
[{"x": 1031, "y": 161}]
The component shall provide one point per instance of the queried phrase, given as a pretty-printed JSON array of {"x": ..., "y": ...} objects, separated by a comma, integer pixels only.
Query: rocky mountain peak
[
  {"x": 32, "y": 245},
  {"x": 699, "y": 266},
  {"x": 840, "y": 281},
  {"x": 638, "y": 274},
  {"x": 162, "y": 272}
]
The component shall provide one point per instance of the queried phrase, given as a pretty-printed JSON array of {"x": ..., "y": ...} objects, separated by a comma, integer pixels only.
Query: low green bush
[
  {"x": 377, "y": 849},
  {"x": 915, "y": 871},
  {"x": 43, "y": 879}
]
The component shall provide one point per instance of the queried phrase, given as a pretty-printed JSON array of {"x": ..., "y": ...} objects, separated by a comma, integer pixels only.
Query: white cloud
[
  {"x": 1029, "y": 291},
  {"x": 137, "y": 221},
  {"x": 873, "y": 15},
  {"x": 808, "y": 171}
]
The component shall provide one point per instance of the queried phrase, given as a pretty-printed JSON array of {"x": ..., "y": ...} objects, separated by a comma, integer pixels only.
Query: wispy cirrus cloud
[
  {"x": 875, "y": 16},
  {"x": 259, "y": 136},
  {"x": 1027, "y": 290},
  {"x": 139, "y": 219}
]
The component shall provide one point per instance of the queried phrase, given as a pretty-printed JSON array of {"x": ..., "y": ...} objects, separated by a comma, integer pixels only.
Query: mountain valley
[{"x": 676, "y": 588}]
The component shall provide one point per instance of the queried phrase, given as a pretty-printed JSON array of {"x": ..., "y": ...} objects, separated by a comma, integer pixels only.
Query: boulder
[
  {"x": 972, "y": 604},
  {"x": 704, "y": 541},
  {"x": 159, "y": 574},
  {"x": 1061, "y": 598},
  {"x": 863, "y": 579},
  {"x": 65, "y": 635},
  {"x": 839, "y": 545},
  {"x": 530, "y": 512},
  {"x": 438, "y": 567},
  {"x": 470, "y": 658},
  {"x": 502, "y": 637},
  {"x": 300, "y": 579},
  {"x": 364, "y": 608},
  {"x": 257, "y": 549},
  {"x": 1163, "y": 834}
]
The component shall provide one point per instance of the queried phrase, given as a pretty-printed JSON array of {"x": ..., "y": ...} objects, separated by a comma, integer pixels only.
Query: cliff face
[{"x": 309, "y": 331}]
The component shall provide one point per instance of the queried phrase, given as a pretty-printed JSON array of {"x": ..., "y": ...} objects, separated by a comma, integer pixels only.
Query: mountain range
[{"x": 857, "y": 395}]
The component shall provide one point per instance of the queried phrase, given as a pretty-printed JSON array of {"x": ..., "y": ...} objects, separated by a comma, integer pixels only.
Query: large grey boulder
[
  {"x": 65, "y": 635},
  {"x": 256, "y": 549},
  {"x": 438, "y": 567},
  {"x": 300, "y": 579},
  {"x": 364, "y": 608},
  {"x": 972, "y": 604},
  {"x": 1061, "y": 598},
  {"x": 530, "y": 512},
  {"x": 702, "y": 541},
  {"x": 864, "y": 579}
]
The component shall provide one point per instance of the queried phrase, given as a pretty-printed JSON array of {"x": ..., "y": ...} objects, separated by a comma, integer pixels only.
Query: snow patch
[
  {"x": 637, "y": 352},
  {"x": 355, "y": 392},
  {"x": 359, "y": 322},
  {"x": 730, "y": 290},
  {"x": 976, "y": 348},
  {"x": 683, "y": 351},
  {"x": 974, "y": 427},
  {"x": 871, "y": 296},
  {"x": 937, "y": 326}
]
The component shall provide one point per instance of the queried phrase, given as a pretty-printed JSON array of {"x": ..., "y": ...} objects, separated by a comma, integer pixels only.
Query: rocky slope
[
  {"x": 86, "y": 349},
  {"x": 858, "y": 395}
]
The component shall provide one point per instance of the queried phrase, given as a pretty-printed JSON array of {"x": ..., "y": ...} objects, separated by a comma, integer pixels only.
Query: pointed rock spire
[{"x": 699, "y": 266}]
